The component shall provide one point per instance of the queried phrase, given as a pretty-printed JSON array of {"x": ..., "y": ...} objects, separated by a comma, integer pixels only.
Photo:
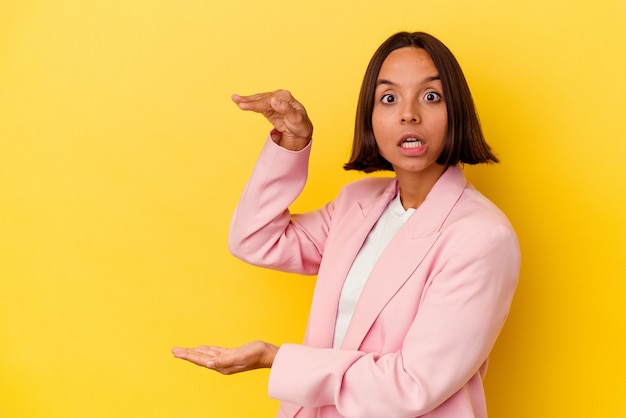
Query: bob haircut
[{"x": 464, "y": 140}]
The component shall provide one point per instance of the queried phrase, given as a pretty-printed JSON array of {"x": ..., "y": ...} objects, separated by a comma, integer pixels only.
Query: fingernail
[{"x": 210, "y": 364}]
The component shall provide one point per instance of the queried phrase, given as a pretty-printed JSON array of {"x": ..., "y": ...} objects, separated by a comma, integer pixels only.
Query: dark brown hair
[{"x": 464, "y": 142}]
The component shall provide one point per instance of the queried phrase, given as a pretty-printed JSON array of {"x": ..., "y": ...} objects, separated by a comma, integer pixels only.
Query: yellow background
[{"x": 122, "y": 158}]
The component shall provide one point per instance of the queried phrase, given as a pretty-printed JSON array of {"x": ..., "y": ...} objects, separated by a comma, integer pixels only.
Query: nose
[{"x": 410, "y": 113}]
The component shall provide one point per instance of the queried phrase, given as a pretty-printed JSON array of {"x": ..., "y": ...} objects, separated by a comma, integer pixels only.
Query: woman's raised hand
[{"x": 292, "y": 127}]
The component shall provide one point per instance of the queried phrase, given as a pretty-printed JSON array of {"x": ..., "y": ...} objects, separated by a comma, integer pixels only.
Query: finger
[
  {"x": 281, "y": 105},
  {"x": 283, "y": 102},
  {"x": 193, "y": 356},
  {"x": 238, "y": 98},
  {"x": 289, "y": 107},
  {"x": 230, "y": 363},
  {"x": 210, "y": 350},
  {"x": 262, "y": 102},
  {"x": 256, "y": 102},
  {"x": 224, "y": 361}
]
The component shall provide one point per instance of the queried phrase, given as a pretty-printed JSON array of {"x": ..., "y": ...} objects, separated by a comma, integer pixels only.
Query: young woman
[{"x": 415, "y": 274}]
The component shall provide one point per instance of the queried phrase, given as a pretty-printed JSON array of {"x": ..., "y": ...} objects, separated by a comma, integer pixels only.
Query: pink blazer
[{"x": 428, "y": 316}]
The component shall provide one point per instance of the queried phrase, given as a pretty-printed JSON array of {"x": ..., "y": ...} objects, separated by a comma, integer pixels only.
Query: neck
[{"x": 415, "y": 188}]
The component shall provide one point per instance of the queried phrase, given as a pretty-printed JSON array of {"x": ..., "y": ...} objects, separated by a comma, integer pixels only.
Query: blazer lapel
[
  {"x": 338, "y": 258},
  {"x": 404, "y": 254}
]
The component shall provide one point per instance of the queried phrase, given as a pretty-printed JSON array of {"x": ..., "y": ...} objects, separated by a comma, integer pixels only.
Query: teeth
[{"x": 411, "y": 143}]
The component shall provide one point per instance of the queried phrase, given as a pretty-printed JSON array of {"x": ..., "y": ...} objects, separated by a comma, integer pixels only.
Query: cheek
[
  {"x": 379, "y": 125},
  {"x": 440, "y": 125}
]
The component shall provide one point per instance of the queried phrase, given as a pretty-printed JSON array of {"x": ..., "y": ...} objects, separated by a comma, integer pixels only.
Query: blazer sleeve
[
  {"x": 263, "y": 232},
  {"x": 460, "y": 316}
]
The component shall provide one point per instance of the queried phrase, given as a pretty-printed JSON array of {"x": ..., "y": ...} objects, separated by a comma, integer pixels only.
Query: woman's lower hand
[
  {"x": 250, "y": 356},
  {"x": 292, "y": 127}
]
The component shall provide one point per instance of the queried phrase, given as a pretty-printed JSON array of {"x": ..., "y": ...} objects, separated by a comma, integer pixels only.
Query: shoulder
[
  {"x": 367, "y": 189},
  {"x": 482, "y": 210},
  {"x": 474, "y": 215}
]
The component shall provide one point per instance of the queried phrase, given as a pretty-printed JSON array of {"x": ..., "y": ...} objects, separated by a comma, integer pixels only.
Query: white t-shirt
[{"x": 386, "y": 227}]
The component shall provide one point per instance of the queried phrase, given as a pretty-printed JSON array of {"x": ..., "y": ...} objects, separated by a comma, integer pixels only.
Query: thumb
[{"x": 281, "y": 106}]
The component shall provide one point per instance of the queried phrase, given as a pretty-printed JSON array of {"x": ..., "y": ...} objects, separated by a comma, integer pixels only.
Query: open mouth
[{"x": 411, "y": 143}]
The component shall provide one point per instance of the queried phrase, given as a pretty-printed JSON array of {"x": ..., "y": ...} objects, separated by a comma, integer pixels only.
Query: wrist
[
  {"x": 270, "y": 354},
  {"x": 289, "y": 142}
]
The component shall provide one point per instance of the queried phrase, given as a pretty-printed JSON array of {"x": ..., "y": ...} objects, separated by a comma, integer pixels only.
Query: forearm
[{"x": 262, "y": 232}]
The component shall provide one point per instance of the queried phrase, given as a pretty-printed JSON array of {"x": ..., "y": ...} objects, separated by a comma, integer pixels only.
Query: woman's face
[{"x": 410, "y": 118}]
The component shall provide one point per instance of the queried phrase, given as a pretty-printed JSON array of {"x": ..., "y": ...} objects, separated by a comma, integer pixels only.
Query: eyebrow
[{"x": 383, "y": 81}]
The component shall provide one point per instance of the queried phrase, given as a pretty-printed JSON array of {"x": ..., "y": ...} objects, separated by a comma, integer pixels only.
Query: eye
[
  {"x": 388, "y": 98},
  {"x": 431, "y": 96}
]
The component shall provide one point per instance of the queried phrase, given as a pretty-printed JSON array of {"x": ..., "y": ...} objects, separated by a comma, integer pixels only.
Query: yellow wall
[{"x": 122, "y": 157}]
